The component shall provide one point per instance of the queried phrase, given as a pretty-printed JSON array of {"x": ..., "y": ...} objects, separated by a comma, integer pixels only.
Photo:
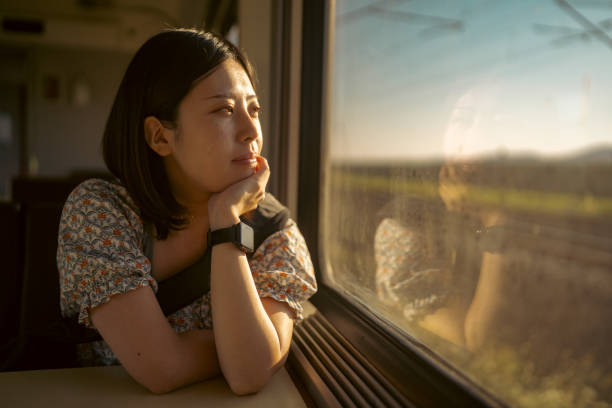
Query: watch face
[{"x": 247, "y": 237}]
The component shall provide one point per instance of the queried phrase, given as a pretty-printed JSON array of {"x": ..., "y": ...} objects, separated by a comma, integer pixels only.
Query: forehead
[{"x": 229, "y": 78}]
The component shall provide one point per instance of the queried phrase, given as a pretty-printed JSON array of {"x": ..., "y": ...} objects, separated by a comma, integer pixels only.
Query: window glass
[{"x": 468, "y": 186}]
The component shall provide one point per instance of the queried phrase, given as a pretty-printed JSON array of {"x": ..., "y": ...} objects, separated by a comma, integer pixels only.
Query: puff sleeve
[
  {"x": 99, "y": 249},
  {"x": 282, "y": 268}
]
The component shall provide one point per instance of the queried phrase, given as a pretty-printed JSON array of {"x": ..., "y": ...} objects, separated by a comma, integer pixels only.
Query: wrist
[
  {"x": 223, "y": 220},
  {"x": 239, "y": 234}
]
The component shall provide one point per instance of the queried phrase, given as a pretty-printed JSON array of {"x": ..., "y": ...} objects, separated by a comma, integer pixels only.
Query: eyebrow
[{"x": 226, "y": 96}]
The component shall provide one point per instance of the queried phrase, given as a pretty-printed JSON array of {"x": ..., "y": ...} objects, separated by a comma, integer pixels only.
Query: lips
[
  {"x": 247, "y": 156},
  {"x": 249, "y": 159}
]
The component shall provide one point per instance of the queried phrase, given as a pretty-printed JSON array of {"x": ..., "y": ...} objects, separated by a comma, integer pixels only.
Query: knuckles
[{"x": 246, "y": 195}]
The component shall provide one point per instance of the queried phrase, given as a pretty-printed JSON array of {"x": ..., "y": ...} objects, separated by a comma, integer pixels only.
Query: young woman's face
[{"x": 217, "y": 135}]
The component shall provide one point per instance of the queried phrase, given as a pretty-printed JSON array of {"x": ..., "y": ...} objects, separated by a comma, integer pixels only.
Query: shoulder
[
  {"x": 282, "y": 268},
  {"x": 101, "y": 191},
  {"x": 287, "y": 242},
  {"x": 101, "y": 203},
  {"x": 108, "y": 195},
  {"x": 412, "y": 212},
  {"x": 99, "y": 248}
]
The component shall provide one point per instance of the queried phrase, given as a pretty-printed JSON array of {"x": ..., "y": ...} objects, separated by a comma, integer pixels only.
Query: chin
[
  {"x": 243, "y": 174},
  {"x": 229, "y": 182}
]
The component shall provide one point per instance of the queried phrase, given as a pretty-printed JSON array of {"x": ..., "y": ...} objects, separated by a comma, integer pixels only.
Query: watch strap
[
  {"x": 241, "y": 234},
  {"x": 222, "y": 235}
]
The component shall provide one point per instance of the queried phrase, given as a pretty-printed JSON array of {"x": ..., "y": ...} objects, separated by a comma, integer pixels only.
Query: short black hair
[{"x": 161, "y": 73}]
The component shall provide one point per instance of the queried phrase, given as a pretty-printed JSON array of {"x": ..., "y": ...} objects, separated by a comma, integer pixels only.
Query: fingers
[
  {"x": 262, "y": 173},
  {"x": 260, "y": 177},
  {"x": 262, "y": 165},
  {"x": 246, "y": 194}
]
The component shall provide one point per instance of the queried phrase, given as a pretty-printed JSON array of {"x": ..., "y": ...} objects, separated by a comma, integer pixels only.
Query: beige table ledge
[{"x": 113, "y": 387}]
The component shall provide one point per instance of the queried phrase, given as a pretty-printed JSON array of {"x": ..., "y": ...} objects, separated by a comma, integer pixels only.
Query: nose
[{"x": 249, "y": 127}]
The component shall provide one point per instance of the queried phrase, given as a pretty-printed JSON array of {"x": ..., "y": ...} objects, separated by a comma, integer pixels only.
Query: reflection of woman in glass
[
  {"x": 184, "y": 141},
  {"x": 426, "y": 252},
  {"x": 475, "y": 301},
  {"x": 465, "y": 145}
]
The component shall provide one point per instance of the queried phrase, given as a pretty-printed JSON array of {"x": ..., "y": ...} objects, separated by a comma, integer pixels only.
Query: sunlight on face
[{"x": 218, "y": 131}]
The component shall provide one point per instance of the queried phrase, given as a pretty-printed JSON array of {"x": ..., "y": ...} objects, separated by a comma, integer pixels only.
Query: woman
[{"x": 183, "y": 139}]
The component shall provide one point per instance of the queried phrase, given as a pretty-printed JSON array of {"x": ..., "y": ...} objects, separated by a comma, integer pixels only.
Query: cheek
[{"x": 206, "y": 140}]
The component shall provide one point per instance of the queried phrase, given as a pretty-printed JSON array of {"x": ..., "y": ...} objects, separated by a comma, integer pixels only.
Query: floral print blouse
[
  {"x": 100, "y": 254},
  {"x": 405, "y": 279}
]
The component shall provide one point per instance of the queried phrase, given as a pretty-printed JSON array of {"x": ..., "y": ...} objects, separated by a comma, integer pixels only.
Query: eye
[
  {"x": 226, "y": 109},
  {"x": 255, "y": 110}
]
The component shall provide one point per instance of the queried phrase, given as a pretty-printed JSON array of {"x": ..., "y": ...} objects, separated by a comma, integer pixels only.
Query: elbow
[
  {"x": 251, "y": 377},
  {"x": 160, "y": 384},
  {"x": 249, "y": 384},
  {"x": 161, "y": 380},
  {"x": 168, "y": 376},
  {"x": 245, "y": 388},
  {"x": 158, "y": 389},
  {"x": 253, "y": 382}
]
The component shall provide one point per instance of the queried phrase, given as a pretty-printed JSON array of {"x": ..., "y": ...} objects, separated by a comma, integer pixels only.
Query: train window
[{"x": 466, "y": 186}]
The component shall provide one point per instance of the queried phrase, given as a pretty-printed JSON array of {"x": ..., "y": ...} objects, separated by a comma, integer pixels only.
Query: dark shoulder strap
[
  {"x": 271, "y": 216},
  {"x": 193, "y": 282}
]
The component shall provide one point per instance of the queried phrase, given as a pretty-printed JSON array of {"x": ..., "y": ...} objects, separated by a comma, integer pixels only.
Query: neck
[
  {"x": 196, "y": 211},
  {"x": 196, "y": 206}
]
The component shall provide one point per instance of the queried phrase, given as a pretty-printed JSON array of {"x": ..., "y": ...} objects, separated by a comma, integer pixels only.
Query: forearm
[
  {"x": 248, "y": 345},
  {"x": 193, "y": 359},
  {"x": 199, "y": 355},
  {"x": 151, "y": 351},
  {"x": 480, "y": 318}
]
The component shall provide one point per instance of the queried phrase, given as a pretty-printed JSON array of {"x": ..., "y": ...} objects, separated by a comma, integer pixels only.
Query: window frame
[{"x": 410, "y": 366}]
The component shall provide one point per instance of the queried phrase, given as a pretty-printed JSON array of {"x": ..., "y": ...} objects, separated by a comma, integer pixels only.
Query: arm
[
  {"x": 149, "y": 349},
  {"x": 252, "y": 335},
  {"x": 162, "y": 360},
  {"x": 481, "y": 313},
  {"x": 132, "y": 322},
  {"x": 281, "y": 316},
  {"x": 105, "y": 277}
]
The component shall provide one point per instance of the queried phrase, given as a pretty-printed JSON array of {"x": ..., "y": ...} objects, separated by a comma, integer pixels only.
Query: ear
[{"x": 159, "y": 138}]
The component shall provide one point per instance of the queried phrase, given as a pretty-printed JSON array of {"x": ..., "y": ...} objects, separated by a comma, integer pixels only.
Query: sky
[{"x": 423, "y": 80}]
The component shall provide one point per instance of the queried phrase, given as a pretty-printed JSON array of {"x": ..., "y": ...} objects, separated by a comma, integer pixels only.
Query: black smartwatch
[{"x": 240, "y": 234}]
